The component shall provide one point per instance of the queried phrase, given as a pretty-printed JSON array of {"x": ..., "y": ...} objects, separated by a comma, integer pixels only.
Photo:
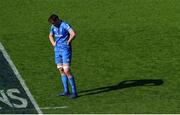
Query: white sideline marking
[
  {"x": 62, "y": 107},
  {"x": 5, "y": 54}
]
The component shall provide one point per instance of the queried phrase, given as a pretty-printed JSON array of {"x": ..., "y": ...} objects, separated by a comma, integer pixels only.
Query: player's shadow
[{"x": 122, "y": 85}]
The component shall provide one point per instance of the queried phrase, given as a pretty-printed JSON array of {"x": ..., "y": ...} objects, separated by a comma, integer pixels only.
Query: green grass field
[{"x": 117, "y": 41}]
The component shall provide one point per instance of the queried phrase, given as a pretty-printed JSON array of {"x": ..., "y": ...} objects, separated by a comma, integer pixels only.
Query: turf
[{"x": 117, "y": 41}]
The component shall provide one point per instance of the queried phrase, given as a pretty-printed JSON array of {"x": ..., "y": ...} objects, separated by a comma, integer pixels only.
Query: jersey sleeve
[
  {"x": 66, "y": 26},
  {"x": 51, "y": 30}
]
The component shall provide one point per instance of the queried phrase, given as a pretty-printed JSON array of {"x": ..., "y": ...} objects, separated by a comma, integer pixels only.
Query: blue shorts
[{"x": 63, "y": 56}]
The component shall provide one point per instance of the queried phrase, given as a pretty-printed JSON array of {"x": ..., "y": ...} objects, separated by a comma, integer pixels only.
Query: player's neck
[{"x": 59, "y": 23}]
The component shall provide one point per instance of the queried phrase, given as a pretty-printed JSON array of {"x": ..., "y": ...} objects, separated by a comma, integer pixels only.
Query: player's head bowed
[{"x": 54, "y": 19}]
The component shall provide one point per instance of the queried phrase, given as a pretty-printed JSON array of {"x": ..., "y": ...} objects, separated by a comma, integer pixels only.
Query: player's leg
[
  {"x": 64, "y": 80},
  {"x": 66, "y": 67},
  {"x": 71, "y": 78},
  {"x": 63, "y": 77}
]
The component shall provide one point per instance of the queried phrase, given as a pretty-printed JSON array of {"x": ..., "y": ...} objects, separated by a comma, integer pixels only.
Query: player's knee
[
  {"x": 67, "y": 71},
  {"x": 61, "y": 70}
]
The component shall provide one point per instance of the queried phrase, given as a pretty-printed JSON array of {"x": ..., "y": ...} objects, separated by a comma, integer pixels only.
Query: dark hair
[{"x": 53, "y": 17}]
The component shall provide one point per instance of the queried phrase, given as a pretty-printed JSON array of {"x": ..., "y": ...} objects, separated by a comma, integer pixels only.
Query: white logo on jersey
[{"x": 57, "y": 35}]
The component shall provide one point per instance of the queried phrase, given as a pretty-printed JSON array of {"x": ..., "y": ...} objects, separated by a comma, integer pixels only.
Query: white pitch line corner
[{"x": 5, "y": 54}]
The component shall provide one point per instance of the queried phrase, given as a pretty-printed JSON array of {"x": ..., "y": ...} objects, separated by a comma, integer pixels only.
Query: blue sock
[
  {"x": 65, "y": 82},
  {"x": 73, "y": 85}
]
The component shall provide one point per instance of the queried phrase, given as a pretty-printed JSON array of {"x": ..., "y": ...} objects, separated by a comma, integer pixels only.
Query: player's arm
[
  {"x": 72, "y": 34},
  {"x": 51, "y": 38}
]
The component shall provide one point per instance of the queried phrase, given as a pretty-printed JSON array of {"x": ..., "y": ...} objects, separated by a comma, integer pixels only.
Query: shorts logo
[{"x": 68, "y": 60}]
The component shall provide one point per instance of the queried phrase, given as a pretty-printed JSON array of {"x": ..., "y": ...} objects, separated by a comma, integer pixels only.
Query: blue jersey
[{"x": 61, "y": 35}]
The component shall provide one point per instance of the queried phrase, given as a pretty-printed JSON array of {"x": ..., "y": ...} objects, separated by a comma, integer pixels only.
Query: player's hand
[
  {"x": 68, "y": 43},
  {"x": 54, "y": 44}
]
